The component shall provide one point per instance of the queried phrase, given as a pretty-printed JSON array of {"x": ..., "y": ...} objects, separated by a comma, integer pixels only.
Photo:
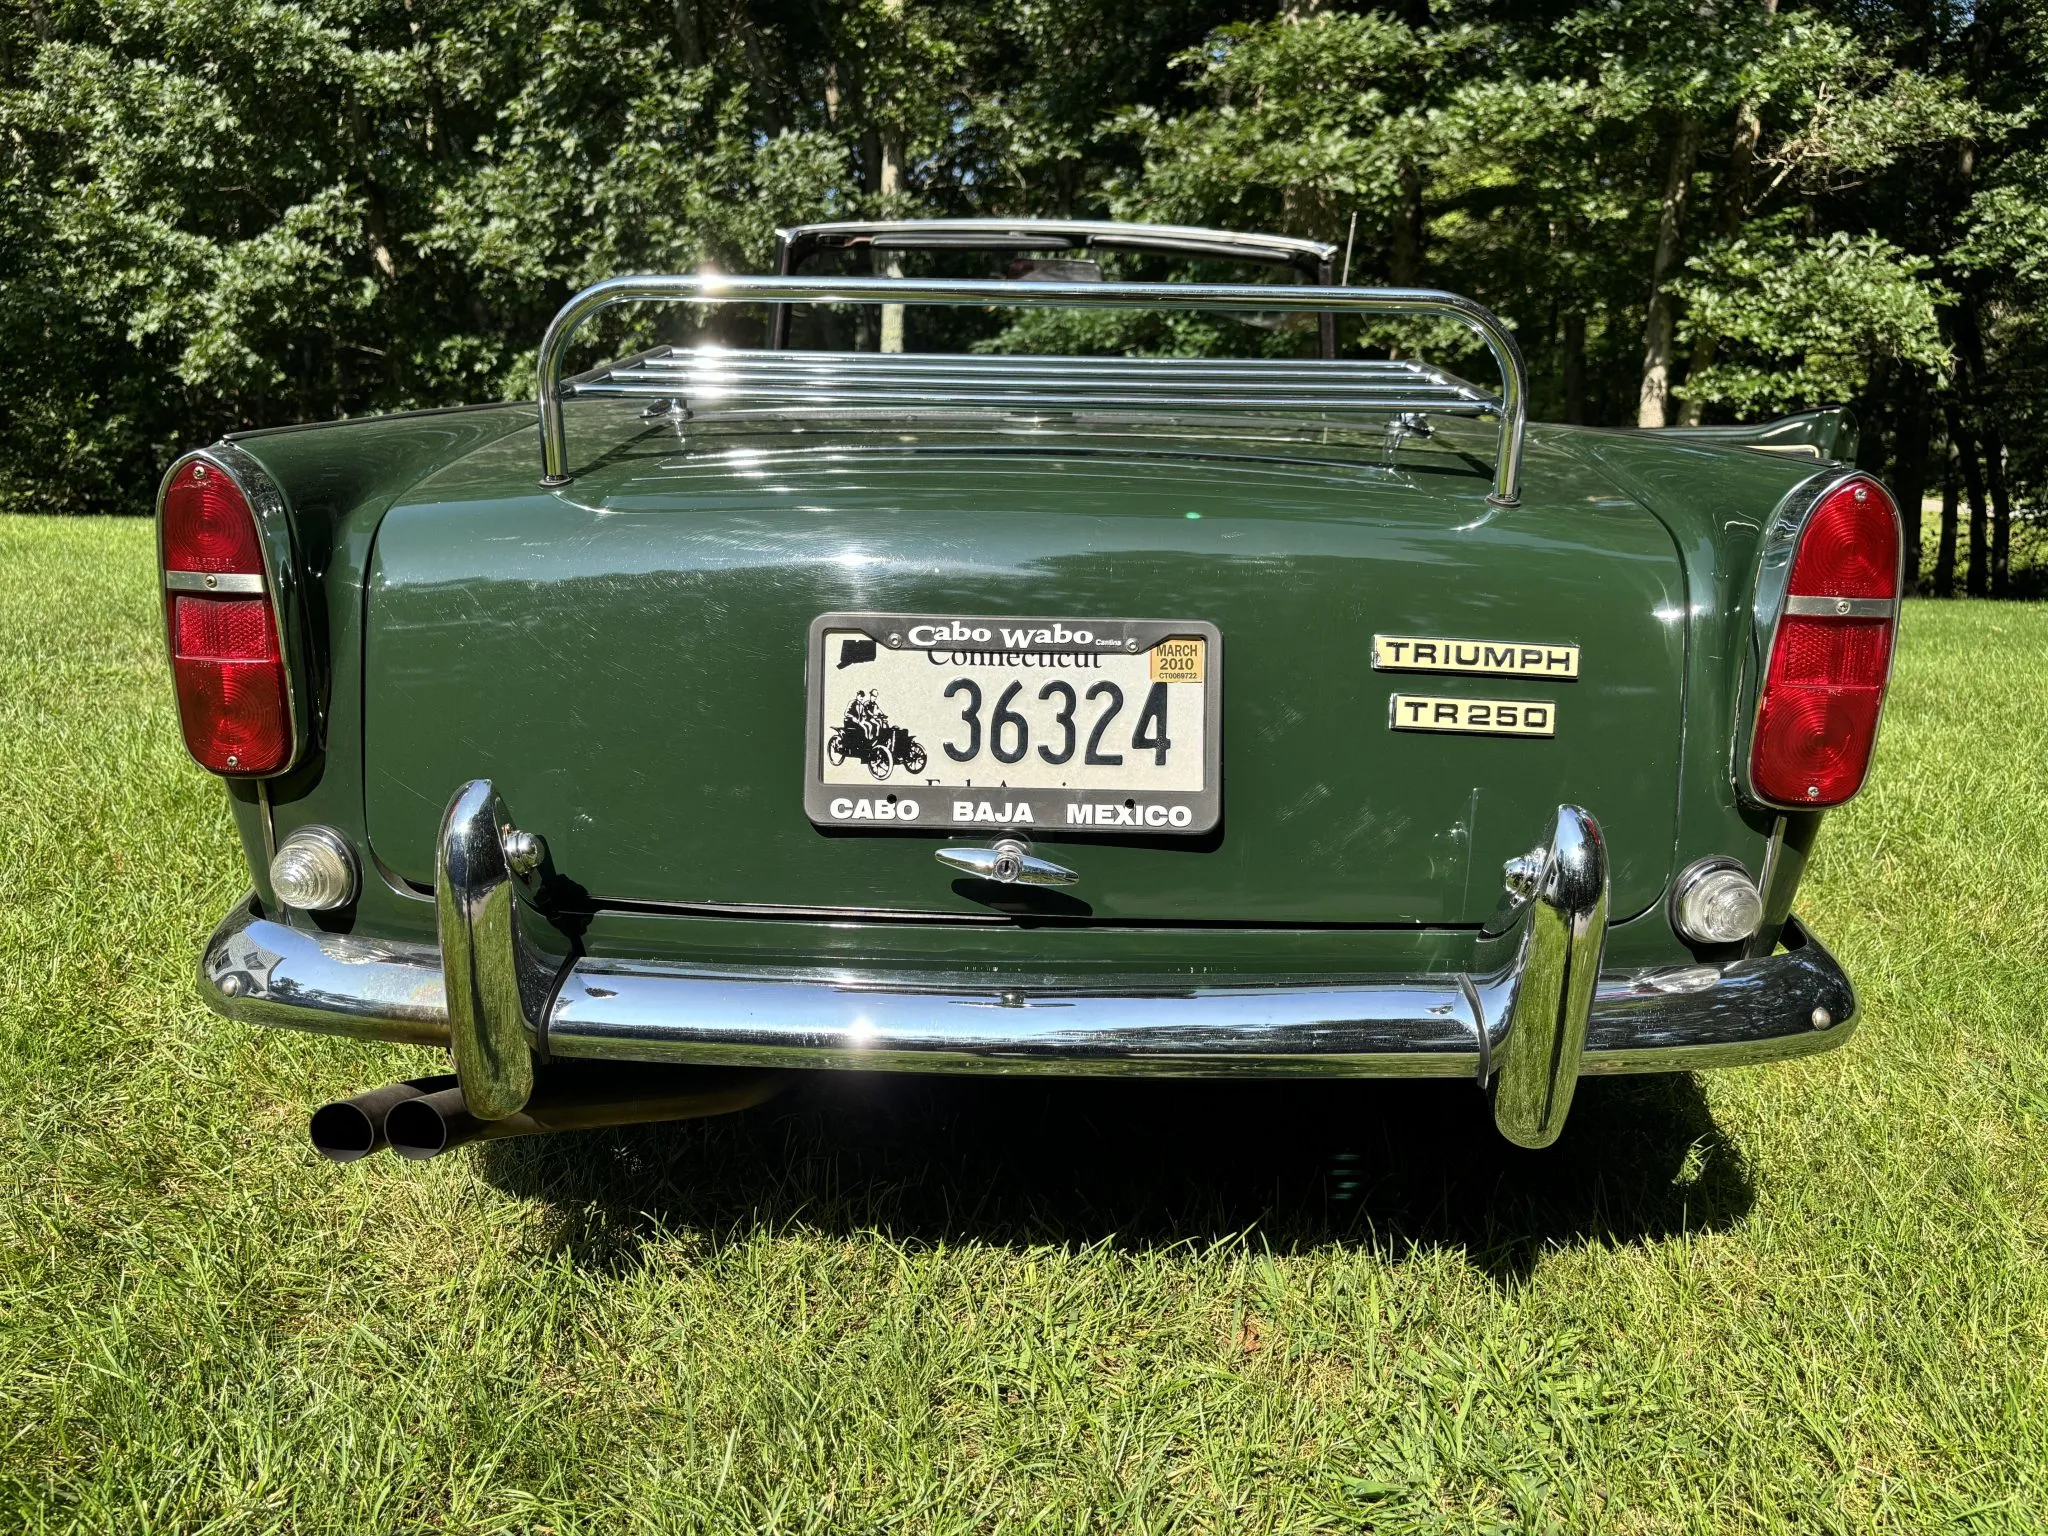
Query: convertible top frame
[{"x": 1310, "y": 258}]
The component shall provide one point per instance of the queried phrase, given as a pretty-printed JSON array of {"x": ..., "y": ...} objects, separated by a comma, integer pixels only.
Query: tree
[{"x": 228, "y": 213}]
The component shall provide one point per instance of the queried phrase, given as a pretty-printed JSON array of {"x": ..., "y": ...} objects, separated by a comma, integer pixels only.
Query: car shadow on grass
[{"x": 1144, "y": 1163}]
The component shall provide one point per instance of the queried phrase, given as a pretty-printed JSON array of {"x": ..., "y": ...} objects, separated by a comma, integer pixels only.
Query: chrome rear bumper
[
  {"x": 1540, "y": 1013},
  {"x": 260, "y": 971}
]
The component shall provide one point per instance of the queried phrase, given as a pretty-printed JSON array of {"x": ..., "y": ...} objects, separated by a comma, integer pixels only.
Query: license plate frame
[{"x": 848, "y": 797}]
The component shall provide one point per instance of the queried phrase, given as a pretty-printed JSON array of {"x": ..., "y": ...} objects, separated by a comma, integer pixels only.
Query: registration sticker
[
  {"x": 1178, "y": 661},
  {"x": 1473, "y": 717}
]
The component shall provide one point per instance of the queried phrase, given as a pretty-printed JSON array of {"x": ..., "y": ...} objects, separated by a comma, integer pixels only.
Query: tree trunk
[
  {"x": 2001, "y": 520},
  {"x": 689, "y": 37},
  {"x": 1654, "y": 401},
  {"x": 1909, "y": 478},
  {"x": 1975, "y": 580},
  {"x": 761, "y": 76},
  {"x": 1408, "y": 230},
  {"x": 1575, "y": 368},
  {"x": 1969, "y": 328},
  {"x": 1749, "y": 127},
  {"x": 376, "y": 227},
  {"x": 1692, "y": 407},
  {"x": 1945, "y": 547},
  {"x": 2001, "y": 513},
  {"x": 891, "y": 265},
  {"x": 890, "y": 187}
]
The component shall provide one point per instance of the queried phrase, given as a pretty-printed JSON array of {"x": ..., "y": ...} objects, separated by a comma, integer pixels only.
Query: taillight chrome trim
[
  {"x": 226, "y": 582},
  {"x": 279, "y": 582},
  {"x": 1771, "y": 605},
  {"x": 1841, "y": 607}
]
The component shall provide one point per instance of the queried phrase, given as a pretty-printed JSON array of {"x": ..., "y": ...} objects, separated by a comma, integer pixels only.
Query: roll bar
[{"x": 719, "y": 289}]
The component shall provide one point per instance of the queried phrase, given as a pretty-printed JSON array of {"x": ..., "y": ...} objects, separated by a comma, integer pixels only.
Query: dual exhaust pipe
[{"x": 427, "y": 1116}]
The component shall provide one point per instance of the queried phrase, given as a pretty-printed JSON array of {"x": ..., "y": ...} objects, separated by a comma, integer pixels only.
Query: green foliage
[
  {"x": 225, "y": 213},
  {"x": 1307, "y": 121},
  {"x": 237, "y": 212},
  {"x": 1807, "y": 317}
]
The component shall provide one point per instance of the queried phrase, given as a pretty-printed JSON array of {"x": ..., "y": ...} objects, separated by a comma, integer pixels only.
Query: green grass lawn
[{"x": 1810, "y": 1297}]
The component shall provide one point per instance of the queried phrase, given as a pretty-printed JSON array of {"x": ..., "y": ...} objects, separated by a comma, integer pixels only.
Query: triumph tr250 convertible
[{"x": 735, "y": 711}]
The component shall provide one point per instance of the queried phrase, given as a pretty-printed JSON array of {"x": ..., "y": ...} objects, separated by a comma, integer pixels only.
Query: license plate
[{"x": 1107, "y": 726}]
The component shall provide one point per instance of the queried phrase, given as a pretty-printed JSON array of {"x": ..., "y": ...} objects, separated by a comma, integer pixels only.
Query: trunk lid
[{"x": 626, "y": 659}]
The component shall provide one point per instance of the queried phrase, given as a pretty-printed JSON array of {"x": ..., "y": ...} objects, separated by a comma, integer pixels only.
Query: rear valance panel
[{"x": 628, "y": 667}]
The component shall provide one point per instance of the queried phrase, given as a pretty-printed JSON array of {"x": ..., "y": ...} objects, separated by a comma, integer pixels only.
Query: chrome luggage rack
[
  {"x": 704, "y": 382},
  {"x": 713, "y": 382}
]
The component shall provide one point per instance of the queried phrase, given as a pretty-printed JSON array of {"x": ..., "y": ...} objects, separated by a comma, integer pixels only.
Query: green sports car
[{"x": 730, "y": 712}]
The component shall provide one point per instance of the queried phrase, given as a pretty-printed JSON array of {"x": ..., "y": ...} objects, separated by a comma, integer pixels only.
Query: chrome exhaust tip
[{"x": 351, "y": 1129}]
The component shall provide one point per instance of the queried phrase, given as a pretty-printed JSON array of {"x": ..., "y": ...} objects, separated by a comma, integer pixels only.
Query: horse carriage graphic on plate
[{"x": 866, "y": 736}]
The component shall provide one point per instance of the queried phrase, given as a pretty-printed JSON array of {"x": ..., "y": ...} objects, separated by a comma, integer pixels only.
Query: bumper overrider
[{"x": 1535, "y": 1014}]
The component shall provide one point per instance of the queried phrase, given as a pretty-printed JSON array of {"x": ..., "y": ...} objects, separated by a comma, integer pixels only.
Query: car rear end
[{"x": 953, "y": 714}]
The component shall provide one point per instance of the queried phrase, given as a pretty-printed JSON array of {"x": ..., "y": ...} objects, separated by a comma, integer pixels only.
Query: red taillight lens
[
  {"x": 226, "y": 661},
  {"x": 236, "y": 715},
  {"x": 222, "y": 629},
  {"x": 1819, "y": 652},
  {"x": 207, "y": 524},
  {"x": 1850, "y": 545},
  {"x": 1823, "y": 691}
]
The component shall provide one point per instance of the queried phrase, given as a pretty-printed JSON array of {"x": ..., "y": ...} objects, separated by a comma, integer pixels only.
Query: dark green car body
[{"x": 623, "y": 658}]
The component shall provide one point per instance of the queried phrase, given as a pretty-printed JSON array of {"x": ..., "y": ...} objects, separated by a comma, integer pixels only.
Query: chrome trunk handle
[{"x": 1008, "y": 862}]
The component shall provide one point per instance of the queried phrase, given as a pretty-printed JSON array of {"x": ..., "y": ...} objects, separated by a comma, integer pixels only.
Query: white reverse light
[
  {"x": 1718, "y": 904},
  {"x": 314, "y": 870}
]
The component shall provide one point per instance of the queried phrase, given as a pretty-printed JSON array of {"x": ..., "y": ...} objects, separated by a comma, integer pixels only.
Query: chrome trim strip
[
  {"x": 1776, "y": 884},
  {"x": 209, "y": 581},
  {"x": 1842, "y": 607},
  {"x": 257, "y": 970},
  {"x": 1785, "y": 856},
  {"x": 715, "y": 289},
  {"x": 269, "y": 819}
]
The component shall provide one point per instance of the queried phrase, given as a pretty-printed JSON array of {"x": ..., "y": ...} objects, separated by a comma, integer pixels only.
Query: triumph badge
[{"x": 1484, "y": 658}]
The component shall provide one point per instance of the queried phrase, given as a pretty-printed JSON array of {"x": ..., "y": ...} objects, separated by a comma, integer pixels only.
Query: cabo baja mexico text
[{"x": 1015, "y": 813}]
